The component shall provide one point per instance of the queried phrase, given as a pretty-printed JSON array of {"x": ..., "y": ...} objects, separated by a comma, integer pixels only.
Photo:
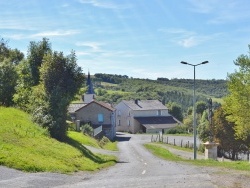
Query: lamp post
[{"x": 194, "y": 111}]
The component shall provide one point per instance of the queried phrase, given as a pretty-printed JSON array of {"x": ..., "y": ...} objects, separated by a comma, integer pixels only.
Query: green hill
[
  {"x": 114, "y": 88},
  {"x": 28, "y": 147}
]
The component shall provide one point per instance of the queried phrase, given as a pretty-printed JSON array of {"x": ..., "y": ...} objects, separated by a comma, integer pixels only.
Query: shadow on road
[{"x": 120, "y": 137}]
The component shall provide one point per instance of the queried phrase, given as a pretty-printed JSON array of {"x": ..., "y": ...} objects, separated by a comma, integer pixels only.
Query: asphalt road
[{"x": 136, "y": 168}]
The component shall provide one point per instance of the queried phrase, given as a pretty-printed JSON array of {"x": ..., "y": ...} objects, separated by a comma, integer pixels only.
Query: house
[
  {"x": 143, "y": 116},
  {"x": 100, "y": 115}
]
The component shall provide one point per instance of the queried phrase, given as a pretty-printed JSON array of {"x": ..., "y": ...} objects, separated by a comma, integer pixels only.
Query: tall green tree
[
  {"x": 61, "y": 79},
  {"x": 9, "y": 58},
  {"x": 200, "y": 107},
  {"x": 224, "y": 133},
  {"x": 24, "y": 85},
  {"x": 204, "y": 127},
  {"x": 238, "y": 101},
  {"x": 8, "y": 79},
  {"x": 36, "y": 52},
  {"x": 175, "y": 110}
]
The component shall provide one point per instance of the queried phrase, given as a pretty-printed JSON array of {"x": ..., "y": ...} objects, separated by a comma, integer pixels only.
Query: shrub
[
  {"x": 177, "y": 130},
  {"x": 71, "y": 126},
  {"x": 87, "y": 129},
  {"x": 104, "y": 141}
]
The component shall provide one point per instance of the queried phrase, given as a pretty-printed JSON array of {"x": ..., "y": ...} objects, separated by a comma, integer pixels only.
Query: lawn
[{"x": 163, "y": 153}]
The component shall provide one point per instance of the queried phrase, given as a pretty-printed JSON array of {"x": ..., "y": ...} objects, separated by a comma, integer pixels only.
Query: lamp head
[
  {"x": 183, "y": 62},
  {"x": 204, "y": 62}
]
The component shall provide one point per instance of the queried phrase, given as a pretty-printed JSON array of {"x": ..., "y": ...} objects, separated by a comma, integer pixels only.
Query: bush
[
  {"x": 104, "y": 141},
  {"x": 177, "y": 130},
  {"x": 87, "y": 129},
  {"x": 71, "y": 126}
]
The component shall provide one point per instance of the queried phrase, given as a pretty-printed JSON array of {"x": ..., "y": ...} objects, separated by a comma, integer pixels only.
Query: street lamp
[{"x": 194, "y": 111}]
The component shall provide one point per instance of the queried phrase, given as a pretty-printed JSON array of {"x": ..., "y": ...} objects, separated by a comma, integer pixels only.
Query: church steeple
[
  {"x": 89, "y": 85},
  {"x": 89, "y": 96}
]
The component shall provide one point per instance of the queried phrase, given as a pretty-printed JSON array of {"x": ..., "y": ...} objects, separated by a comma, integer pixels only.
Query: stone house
[
  {"x": 148, "y": 116},
  {"x": 98, "y": 114}
]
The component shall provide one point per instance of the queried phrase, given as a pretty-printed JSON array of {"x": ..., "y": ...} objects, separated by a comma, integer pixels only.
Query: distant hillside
[
  {"x": 119, "y": 87},
  {"x": 26, "y": 146}
]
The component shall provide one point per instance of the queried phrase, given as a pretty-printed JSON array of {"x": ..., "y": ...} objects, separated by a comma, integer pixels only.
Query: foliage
[
  {"x": 204, "y": 128},
  {"x": 13, "y": 56},
  {"x": 224, "y": 133},
  {"x": 237, "y": 103},
  {"x": 115, "y": 79},
  {"x": 134, "y": 88},
  {"x": 175, "y": 110},
  {"x": 87, "y": 129},
  {"x": 177, "y": 130},
  {"x": 27, "y": 147},
  {"x": 36, "y": 53},
  {"x": 200, "y": 107},
  {"x": 188, "y": 122},
  {"x": 61, "y": 79},
  {"x": 216, "y": 88},
  {"x": 9, "y": 58},
  {"x": 24, "y": 85},
  {"x": 104, "y": 141},
  {"x": 8, "y": 79}
]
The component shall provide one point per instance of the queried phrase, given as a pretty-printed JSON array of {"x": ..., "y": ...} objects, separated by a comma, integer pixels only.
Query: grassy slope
[
  {"x": 26, "y": 146},
  {"x": 165, "y": 154}
]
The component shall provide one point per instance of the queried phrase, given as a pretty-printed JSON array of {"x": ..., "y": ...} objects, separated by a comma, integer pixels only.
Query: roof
[
  {"x": 145, "y": 105},
  {"x": 157, "y": 122},
  {"x": 75, "y": 106},
  {"x": 103, "y": 104}
]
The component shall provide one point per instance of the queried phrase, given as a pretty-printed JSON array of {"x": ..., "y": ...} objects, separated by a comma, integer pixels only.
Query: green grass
[
  {"x": 163, "y": 153},
  {"x": 183, "y": 148},
  {"x": 182, "y": 134},
  {"x": 111, "y": 146},
  {"x": 83, "y": 139},
  {"x": 26, "y": 146}
]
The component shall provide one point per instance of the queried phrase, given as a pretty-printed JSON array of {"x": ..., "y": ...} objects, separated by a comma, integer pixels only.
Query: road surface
[{"x": 136, "y": 168}]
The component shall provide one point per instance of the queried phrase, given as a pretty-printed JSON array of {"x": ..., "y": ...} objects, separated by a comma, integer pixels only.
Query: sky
[{"x": 137, "y": 38}]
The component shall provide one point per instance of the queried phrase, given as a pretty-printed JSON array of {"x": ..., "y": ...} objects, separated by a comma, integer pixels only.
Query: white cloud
[
  {"x": 104, "y": 4},
  {"x": 95, "y": 46},
  {"x": 55, "y": 33},
  {"x": 186, "y": 38}
]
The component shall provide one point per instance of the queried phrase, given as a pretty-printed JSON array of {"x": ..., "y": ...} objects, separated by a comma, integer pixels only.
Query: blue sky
[{"x": 138, "y": 38}]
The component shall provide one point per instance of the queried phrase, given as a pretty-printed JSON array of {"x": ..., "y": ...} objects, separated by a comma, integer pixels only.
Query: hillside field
[{"x": 28, "y": 147}]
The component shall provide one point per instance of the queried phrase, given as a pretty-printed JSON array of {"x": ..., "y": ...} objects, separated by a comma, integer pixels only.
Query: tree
[
  {"x": 14, "y": 56},
  {"x": 36, "y": 52},
  {"x": 175, "y": 110},
  {"x": 61, "y": 79},
  {"x": 204, "y": 127},
  {"x": 8, "y": 74},
  {"x": 8, "y": 79},
  {"x": 24, "y": 85},
  {"x": 238, "y": 101},
  {"x": 200, "y": 107},
  {"x": 224, "y": 133}
]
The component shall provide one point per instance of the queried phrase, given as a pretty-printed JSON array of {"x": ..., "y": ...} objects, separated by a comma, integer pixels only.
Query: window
[
  {"x": 128, "y": 122},
  {"x": 100, "y": 118},
  {"x": 159, "y": 112}
]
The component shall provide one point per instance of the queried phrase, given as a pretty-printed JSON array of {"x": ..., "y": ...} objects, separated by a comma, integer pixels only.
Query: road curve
[{"x": 136, "y": 168}]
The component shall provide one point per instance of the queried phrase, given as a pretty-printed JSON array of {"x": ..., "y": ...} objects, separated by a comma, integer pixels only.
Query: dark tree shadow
[{"x": 86, "y": 152}]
